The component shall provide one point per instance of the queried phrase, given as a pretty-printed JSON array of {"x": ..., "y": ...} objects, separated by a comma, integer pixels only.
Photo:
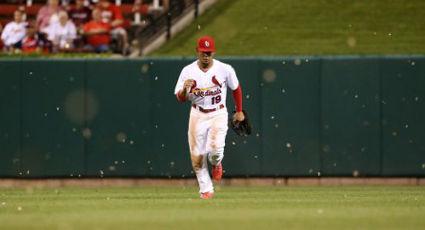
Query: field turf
[{"x": 350, "y": 207}]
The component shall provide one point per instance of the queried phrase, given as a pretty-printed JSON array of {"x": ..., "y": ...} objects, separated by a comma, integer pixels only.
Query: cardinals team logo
[
  {"x": 208, "y": 91},
  {"x": 214, "y": 80},
  {"x": 203, "y": 92},
  {"x": 207, "y": 44}
]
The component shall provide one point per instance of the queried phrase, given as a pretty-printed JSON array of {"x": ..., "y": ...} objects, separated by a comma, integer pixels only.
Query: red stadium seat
[
  {"x": 126, "y": 9},
  {"x": 8, "y": 9},
  {"x": 33, "y": 10}
]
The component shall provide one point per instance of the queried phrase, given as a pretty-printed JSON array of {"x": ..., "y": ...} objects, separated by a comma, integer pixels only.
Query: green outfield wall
[{"x": 312, "y": 116}]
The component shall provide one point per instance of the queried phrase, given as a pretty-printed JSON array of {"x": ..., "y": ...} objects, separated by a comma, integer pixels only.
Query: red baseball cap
[{"x": 206, "y": 44}]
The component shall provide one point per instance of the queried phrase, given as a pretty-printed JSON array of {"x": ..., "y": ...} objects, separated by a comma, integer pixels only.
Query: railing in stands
[{"x": 163, "y": 22}]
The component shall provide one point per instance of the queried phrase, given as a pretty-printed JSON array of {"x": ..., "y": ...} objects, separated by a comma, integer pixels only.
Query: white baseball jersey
[
  {"x": 13, "y": 32},
  {"x": 211, "y": 86}
]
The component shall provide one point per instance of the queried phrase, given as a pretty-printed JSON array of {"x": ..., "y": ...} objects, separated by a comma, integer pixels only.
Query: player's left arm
[
  {"x": 236, "y": 88},
  {"x": 237, "y": 98}
]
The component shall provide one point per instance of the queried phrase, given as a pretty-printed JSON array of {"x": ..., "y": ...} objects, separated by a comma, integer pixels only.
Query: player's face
[{"x": 205, "y": 58}]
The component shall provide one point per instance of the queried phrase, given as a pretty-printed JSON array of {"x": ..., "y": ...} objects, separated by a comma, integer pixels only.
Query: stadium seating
[
  {"x": 142, "y": 25},
  {"x": 6, "y": 11}
]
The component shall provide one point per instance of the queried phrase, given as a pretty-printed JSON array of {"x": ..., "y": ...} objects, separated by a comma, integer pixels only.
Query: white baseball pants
[{"x": 207, "y": 135}]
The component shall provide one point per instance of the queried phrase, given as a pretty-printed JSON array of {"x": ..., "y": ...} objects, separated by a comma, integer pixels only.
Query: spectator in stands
[
  {"x": 48, "y": 14},
  {"x": 97, "y": 33},
  {"x": 156, "y": 6},
  {"x": 79, "y": 13},
  {"x": 140, "y": 7},
  {"x": 1, "y": 42},
  {"x": 112, "y": 15},
  {"x": 30, "y": 43},
  {"x": 62, "y": 33},
  {"x": 14, "y": 32}
]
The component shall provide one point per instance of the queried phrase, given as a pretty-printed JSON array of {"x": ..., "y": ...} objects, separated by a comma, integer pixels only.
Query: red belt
[{"x": 207, "y": 110}]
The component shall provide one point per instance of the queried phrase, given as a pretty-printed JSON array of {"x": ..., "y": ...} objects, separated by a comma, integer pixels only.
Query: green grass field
[
  {"x": 307, "y": 27},
  {"x": 350, "y": 207}
]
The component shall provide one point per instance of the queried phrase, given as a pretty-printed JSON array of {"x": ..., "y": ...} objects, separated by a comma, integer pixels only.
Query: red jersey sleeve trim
[{"x": 237, "y": 97}]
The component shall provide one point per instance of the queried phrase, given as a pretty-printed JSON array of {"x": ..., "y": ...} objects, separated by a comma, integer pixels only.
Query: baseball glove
[{"x": 242, "y": 128}]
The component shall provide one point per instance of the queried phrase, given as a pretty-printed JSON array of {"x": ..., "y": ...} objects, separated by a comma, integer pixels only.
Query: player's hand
[
  {"x": 188, "y": 84},
  {"x": 238, "y": 116}
]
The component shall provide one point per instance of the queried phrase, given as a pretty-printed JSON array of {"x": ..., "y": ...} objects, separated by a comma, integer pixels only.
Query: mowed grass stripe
[
  {"x": 351, "y": 207},
  {"x": 307, "y": 27}
]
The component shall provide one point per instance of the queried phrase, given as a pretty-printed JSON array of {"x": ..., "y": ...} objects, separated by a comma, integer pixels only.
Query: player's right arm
[
  {"x": 183, "y": 86},
  {"x": 183, "y": 93}
]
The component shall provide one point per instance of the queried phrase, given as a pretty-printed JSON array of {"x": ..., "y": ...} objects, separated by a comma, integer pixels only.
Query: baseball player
[{"x": 204, "y": 83}]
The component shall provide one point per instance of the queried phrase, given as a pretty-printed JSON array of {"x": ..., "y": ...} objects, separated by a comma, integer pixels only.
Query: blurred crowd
[{"x": 71, "y": 26}]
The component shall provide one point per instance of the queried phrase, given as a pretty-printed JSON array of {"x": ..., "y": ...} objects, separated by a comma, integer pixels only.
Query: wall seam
[
  {"x": 261, "y": 109},
  {"x": 320, "y": 117},
  {"x": 85, "y": 116},
  {"x": 21, "y": 133},
  {"x": 380, "y": 111}
]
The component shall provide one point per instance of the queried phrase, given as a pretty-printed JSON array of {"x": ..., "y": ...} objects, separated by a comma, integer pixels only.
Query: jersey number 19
[{"x": 216, "y": 99}]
